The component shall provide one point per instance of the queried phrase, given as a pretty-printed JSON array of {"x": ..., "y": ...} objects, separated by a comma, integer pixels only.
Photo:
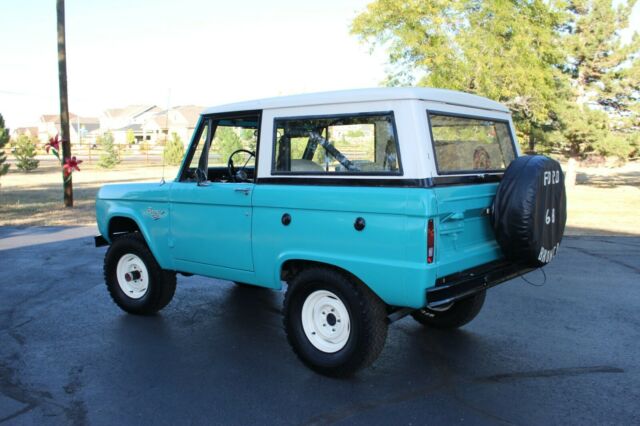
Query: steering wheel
[{"x": 239, "y": 175}]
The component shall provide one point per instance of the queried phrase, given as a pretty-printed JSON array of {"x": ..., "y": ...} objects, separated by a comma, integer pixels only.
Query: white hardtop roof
[{"x": 445, "y": 96}]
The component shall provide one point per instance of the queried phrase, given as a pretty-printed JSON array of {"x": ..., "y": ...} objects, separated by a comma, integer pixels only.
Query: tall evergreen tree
[
  {"x": 604, "y": 76},
  {"x": 560, "y": 67},
  {"x": 4, "y": 139}
]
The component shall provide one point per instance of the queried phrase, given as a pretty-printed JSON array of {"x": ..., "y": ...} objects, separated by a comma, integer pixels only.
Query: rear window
[
  {"x": 470, "y": 145},
  {"x": 360, "y": 144}
]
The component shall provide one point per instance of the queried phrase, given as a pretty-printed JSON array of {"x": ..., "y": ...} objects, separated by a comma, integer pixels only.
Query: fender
[
  {"x": 152, "y": 219},
  {"x": 389, "y": 280}
]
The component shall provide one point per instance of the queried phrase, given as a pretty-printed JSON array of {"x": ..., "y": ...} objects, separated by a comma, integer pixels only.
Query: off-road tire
[
  {"x": 162, "y": 283},
  {"x": 459, "y": 314},
  {"x": 367, "y": 315}
]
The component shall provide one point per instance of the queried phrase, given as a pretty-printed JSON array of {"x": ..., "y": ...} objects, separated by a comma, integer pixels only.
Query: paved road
[{"x": 567, "y": 352}]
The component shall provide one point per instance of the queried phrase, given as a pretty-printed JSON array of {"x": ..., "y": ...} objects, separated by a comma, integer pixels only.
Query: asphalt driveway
[{"x": 567, "y": 352}]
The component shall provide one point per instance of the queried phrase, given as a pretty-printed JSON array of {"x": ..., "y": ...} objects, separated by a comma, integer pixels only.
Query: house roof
[
  {"x": 130, "y": 111},
  {"x": 73, "y": 118},
  {"x": 136, "y": 127},
  {"x": 24, "y": 130},
  {"x": 157, "y": 120},
  {"x": 365, "y": 95},
  {"x": 191, "y": 113}
]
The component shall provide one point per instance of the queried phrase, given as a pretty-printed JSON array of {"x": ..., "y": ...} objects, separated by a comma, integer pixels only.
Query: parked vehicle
[{"x": 367, "y": 205}]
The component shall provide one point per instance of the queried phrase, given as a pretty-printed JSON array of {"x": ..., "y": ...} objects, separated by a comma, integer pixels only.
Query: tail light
[{"x": 430, "y": 241}]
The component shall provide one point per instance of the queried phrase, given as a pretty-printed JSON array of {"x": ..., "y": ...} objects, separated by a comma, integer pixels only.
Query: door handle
[{"x": 245, "y": 191}]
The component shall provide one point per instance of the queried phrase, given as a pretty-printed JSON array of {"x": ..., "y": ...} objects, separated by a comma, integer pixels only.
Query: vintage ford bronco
[{"x": 366, "y": 205}]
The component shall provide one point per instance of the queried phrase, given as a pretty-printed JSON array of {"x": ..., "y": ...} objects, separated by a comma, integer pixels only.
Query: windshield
[{"x": 470, "y": 145}]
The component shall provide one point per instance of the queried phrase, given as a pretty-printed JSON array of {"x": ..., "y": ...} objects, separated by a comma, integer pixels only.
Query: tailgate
[{"x": 464, "y": 237}]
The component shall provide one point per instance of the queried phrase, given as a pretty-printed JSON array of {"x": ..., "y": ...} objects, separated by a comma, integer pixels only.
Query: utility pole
[{"x": 64, "y": 102}]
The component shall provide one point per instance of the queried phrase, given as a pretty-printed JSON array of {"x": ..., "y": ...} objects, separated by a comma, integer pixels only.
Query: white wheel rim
[
  {"x": 325, "y": 321},
  {"x": 133, "y": 277}
]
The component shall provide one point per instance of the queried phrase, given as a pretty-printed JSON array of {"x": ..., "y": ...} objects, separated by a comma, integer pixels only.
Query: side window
[
  {"x": 345, "y": 144},
  {"x": 470, "y": 145},
  {"x": 228, "y": 133},
  {"x": 231, "y": 135}
]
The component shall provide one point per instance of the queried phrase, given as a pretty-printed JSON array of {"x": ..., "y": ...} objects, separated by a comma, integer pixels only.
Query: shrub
[
  {"x": 4, "y": 138},
  {"x": 174, "y": 150},
  {"x": 109, "y": 157},
  {"x": 25, "y": 153},
  {"x": 131, "y": 137}
]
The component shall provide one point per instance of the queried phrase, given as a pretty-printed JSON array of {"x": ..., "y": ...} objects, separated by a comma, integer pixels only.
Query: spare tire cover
[{"x": 530, "y": 210}]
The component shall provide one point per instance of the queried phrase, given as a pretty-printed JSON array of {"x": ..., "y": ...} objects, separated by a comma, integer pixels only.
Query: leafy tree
[
  {"x": 224, "y": 143},
  {"x": 549, "y": 61},
  {"x": 25, "y": 153},
  {"x": 4, "y": 138},
  {"x": 131, "y": 137},
  {"x": 174, "y": 150},
  {"x": 110, "y": 156},
  {"x": 249, "y": 139},
  {"x": 501, "y": 50}
]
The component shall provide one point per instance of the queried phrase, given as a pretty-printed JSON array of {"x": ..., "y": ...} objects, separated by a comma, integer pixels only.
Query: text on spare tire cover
[{"x": 550, "y": 177}]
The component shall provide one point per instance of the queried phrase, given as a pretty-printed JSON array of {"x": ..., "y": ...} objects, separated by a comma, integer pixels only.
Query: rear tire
[
  {"x": 335, "y": 324},
  {"x": 136, "y": 283},
  {"x": 456, "y": 315}
]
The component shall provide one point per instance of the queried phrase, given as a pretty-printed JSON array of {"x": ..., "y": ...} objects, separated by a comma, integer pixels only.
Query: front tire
[
  {"x": 136, "y": 283},
  {"x": 452, "y": 316},
  {"x": 334, "y": 324}
]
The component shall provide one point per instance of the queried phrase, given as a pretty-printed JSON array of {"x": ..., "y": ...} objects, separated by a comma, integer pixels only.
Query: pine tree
[
  {"x": 174, "y": 150},
  {"x": 109, "y": 157},
  {"x": 25, "y": 153},
  {"x": 4, "y": 139},
  {"x": 604, "y": 78}
]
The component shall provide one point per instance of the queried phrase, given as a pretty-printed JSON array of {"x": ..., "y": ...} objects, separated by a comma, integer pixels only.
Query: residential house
[
  {"x": 120, "y": 121},
  {"x": 81, "y": 129},
  {"x": 31, "y": 132},
  {"x": 180, "y": 120}
]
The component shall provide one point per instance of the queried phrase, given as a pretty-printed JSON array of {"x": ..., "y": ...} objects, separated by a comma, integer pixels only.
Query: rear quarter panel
[{"x": 388, "y": 255}]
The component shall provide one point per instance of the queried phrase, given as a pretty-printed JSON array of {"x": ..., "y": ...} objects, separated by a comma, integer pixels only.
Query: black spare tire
[{"x": 530, "y": 210}]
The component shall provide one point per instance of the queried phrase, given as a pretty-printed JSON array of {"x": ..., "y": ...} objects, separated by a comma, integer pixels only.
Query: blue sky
[{"x": 180, "y": 52}]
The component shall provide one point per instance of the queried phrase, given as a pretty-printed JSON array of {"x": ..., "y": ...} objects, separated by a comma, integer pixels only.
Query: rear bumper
[{"x": 463, "y": 284}]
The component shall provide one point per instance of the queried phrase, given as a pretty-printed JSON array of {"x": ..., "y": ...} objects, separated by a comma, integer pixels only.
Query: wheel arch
[
  {"x": 291, "y": 266},
  {"x": 121, "y": 224}
]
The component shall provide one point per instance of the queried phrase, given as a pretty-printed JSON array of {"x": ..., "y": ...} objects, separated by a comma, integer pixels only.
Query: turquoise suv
[{"x": 365, "y": 205}]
